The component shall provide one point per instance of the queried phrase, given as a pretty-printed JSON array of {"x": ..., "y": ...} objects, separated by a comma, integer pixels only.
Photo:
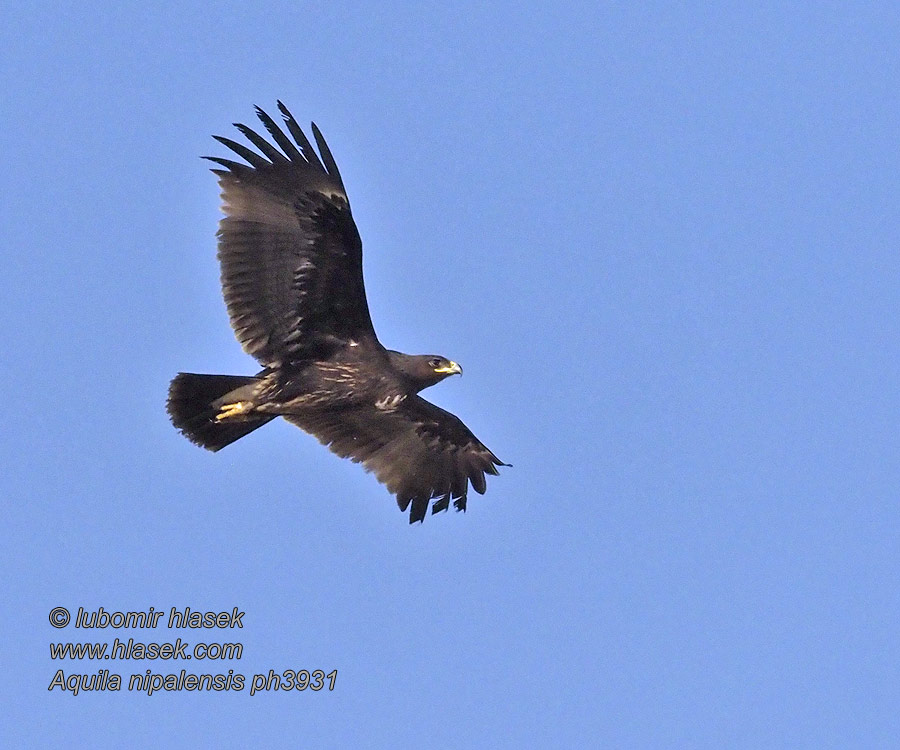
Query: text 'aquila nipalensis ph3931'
[{"x": 291, "y": 262}]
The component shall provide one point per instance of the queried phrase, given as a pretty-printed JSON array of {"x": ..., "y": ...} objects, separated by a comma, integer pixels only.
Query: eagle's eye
[{"x": 434, "y": 362}]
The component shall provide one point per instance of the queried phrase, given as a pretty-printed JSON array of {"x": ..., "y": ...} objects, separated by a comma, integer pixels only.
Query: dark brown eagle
[{"x": 291, "y": 261}]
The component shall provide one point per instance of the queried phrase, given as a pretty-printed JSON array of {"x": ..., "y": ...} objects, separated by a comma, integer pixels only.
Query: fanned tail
[{"x": 194, "y": 403}]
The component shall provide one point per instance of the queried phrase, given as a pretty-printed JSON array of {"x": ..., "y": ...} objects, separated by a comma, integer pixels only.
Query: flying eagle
[{"x": 291, "y": 262}]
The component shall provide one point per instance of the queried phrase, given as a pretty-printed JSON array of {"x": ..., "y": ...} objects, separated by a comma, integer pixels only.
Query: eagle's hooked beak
[{"x": 451, "y": 369}]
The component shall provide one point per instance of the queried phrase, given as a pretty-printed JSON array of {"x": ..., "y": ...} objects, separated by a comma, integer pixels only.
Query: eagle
[{"x": 291, "y": 272}]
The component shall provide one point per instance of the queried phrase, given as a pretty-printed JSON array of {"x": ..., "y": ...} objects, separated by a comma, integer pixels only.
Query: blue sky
[{"x": 662, "y": 241}]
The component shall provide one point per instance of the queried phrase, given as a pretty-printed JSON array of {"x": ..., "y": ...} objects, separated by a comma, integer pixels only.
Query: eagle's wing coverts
[
  {"x": 417, "y": 450},
  {"x": 290, "y": 253}
]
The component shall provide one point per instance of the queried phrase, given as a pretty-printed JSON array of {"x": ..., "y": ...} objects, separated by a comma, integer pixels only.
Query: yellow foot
[{"x": 232, "y": 410}]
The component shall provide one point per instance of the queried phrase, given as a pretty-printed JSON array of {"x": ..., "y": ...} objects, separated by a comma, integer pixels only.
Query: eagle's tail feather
[{"x": 194, "y": 404}]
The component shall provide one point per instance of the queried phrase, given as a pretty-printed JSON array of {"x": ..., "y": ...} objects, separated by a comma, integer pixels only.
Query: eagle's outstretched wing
[
  {"x": 290, "y": 253},
  {"x": 416, "y": 449}
]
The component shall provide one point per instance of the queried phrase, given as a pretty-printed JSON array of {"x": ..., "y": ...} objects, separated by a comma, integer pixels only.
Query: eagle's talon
[{"x": 231, "y": 410}]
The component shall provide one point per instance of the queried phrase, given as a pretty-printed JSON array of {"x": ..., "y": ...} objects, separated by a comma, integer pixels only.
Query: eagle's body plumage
[{"x": 291, "y": 261}]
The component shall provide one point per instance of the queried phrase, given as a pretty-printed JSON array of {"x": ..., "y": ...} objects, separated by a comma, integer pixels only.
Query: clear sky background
[{"x": 662, "y": 240}]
